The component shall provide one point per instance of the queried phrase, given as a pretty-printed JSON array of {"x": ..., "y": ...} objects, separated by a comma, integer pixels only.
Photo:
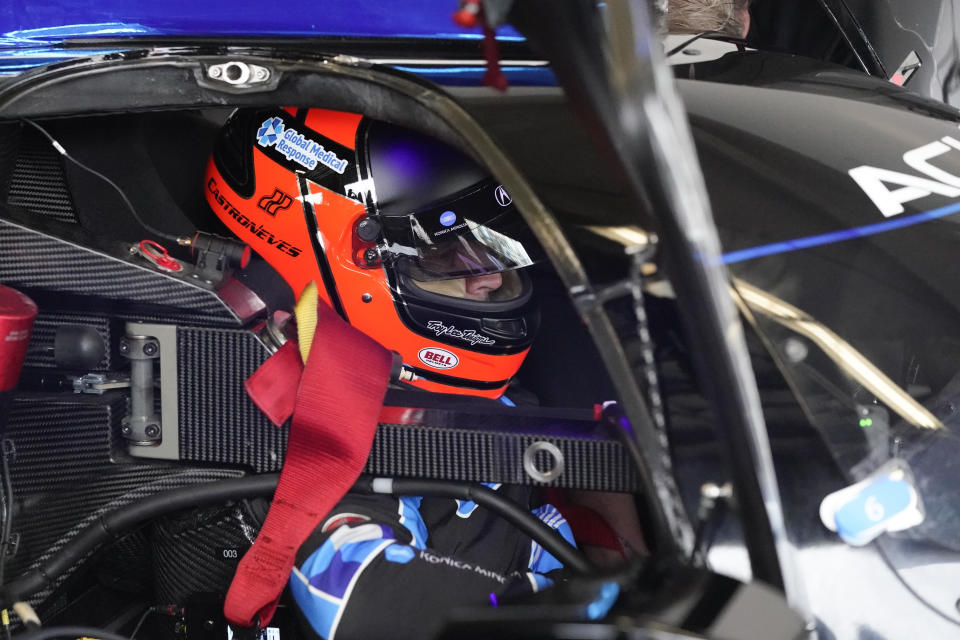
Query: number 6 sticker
[
  {"x": 886, "y": 501},
  {"x": 874, "y": 509}
]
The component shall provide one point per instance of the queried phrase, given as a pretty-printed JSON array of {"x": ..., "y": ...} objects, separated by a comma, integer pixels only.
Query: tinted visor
[
  {"x": 506, "y": 286},
  {"x": 472, "y": 250},
  {"x": 477, "y": 234}
]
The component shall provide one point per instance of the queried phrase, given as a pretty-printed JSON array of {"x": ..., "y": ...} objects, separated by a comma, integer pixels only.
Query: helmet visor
[
  {"x": 506, "y": 286},
  {"x": 469, "y": 249},
  {"x": 477, "y": 234}
]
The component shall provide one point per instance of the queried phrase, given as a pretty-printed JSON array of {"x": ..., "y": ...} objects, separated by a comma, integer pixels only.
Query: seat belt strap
[
  {"x": 274, "y": 385},
  {"x": 334, "y": 420}
]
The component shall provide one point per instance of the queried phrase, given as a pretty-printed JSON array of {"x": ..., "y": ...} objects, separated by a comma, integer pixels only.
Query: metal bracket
[
  {"x": 907, "y": 68},
  {"x": 143, "y": 424},
  {"x": 98, "y": 383},
  {"x": 237, "y": 76},
  {"x": 167, "y": 445}
]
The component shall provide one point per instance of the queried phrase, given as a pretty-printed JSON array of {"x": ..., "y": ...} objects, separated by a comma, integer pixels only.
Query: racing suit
[{"x": 386, "y": 567}]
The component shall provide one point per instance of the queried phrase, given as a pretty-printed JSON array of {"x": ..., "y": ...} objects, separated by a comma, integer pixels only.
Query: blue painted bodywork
[
  {"x": 472, "y": 76},
  {"x": 59, "y": 19},
  {"x": 33, "y": 34}
]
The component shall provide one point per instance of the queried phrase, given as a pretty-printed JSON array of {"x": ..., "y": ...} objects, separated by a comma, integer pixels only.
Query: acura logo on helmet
[{"x": 503, "y": 198}]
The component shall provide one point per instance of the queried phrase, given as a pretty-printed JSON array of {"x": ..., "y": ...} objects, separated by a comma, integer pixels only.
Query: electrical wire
[
  {"x": 6, "y": 512},
  {"x": 6, "y": 491},
  {"x": 143, "y": 618},
  {"x": 8, "y": 515},
  {"x": 110, "y": 525},
  {"x": 568, "y": 555},
  {"x": 126, "y": 200}
]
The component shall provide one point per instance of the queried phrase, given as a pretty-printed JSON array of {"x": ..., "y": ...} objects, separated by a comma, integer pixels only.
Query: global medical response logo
[
  {"x": 438, "y": 358},
  {"x": 297, "y": 148},
  {"x": 269, "y": 132}
]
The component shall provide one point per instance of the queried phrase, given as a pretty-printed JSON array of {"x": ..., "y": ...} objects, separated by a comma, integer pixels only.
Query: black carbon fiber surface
[
  {"x": 209, "y": 542},
  {"x": 127, "y": 565},
  {"x": 10, "y": 133},
  {"x": 497, "y": 456},
  {"x": 68, "y": 471},
  {"x": 38, "y": 182},
  {"x": 47, "y": 268},
  {"x": 218, "y": 423},
  {"x": 40, "y": 351}
]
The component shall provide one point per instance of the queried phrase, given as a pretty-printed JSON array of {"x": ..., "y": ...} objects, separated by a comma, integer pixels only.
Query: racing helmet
[{"x": 408, "y": 240}]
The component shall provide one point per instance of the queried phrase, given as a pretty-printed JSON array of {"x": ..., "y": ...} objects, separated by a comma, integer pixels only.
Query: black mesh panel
[{"x": 38, "y": 182}]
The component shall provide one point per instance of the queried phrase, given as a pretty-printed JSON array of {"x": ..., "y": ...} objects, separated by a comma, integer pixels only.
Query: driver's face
[
  {"x": 481, "y": 287},
  {"x": 459, "y": 256}
]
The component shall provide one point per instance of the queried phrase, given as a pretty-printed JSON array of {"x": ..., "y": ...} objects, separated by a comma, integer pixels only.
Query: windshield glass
[{"x": 872, "y": 352}]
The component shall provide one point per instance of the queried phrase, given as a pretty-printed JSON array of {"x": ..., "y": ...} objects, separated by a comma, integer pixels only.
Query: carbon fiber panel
[
  {"x": 218, "y": 423},
  {"x": 38, "y": 182},
  {"x": 497, "y": 456},
  {"x": 40, "y": 350},
  {"x": 209, "y": 542},
  {"x": 128, "y": 564},
  {"x": 67, "y": 472},
  {"x": 43, "y": 266},
  {"x": 10, "y": 133}
]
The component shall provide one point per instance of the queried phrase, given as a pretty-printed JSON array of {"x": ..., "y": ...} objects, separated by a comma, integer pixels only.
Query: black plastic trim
[
  {"x": 329, "y": 283},
  {"x": 439, "y": 378}
]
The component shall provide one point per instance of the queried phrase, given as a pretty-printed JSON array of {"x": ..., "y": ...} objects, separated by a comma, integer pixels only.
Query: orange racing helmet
[{"x": 407, "y": 238}]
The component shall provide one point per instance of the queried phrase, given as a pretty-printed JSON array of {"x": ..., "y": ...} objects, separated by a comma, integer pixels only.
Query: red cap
[{"x": 17, "y": 312}]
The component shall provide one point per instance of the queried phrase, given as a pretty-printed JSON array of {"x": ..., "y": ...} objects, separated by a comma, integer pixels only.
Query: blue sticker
[
  {"x": 269, "y": 132},
  {"x": 881, "y": 501},
  {"x": 447, "y": 218},
  {"x": 401, "y": 554},
  {"x": 885, "y": 501}
]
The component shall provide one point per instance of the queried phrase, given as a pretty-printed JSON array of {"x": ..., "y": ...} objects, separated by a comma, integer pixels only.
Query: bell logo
[{"x": 438, "y": 358}]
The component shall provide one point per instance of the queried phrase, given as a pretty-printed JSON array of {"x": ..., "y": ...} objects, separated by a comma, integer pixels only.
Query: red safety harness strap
[
  {"x": 334, "y": 421},
  {"x": 274, "y": 386}
]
